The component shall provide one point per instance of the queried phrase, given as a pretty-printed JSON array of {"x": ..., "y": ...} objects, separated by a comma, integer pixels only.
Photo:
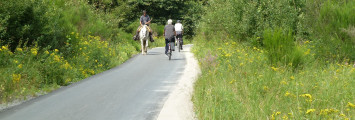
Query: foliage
[
  {"x": 23, "y": 21},
  {"x": 333, "y": 27},
  {"x": 188, "y": 11},
  {"x": 246, "y": 19}
]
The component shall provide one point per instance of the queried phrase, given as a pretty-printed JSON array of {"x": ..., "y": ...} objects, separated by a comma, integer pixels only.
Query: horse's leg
[
  {"x": 142, "y": 46},
  {"x": 146, "y": 46}
]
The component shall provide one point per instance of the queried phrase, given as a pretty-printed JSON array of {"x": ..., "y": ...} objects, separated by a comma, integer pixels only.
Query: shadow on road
[
  {"x": 177, "y": 59},
  {"x": 154, "y": 53}
]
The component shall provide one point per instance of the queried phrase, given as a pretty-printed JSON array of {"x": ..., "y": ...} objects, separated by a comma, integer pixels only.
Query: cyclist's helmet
[{"x": 178, "y": 21}]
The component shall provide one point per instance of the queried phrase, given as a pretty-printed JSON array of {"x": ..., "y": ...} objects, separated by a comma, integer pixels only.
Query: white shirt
[{"x": 179, "y": 27}]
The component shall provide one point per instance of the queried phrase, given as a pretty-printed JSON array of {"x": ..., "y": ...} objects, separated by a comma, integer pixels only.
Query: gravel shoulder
[{"x": 179, "y": 106}]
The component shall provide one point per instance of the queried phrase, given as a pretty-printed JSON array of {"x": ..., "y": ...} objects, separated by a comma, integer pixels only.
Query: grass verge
[{"x": 238, "y": 82}]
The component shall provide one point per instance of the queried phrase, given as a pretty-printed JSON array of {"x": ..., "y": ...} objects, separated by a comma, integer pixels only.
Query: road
[{"x": 135, "y": 90}]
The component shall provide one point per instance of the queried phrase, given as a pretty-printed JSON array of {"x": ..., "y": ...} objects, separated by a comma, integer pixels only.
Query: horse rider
[
  {"x": 169, "y": 34},
  {"x": 179, "y": 31},
  {"x": 144, "y": 20}
]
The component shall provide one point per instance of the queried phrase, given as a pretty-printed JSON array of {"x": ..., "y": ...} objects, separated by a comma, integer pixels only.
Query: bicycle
[
  {"x": 170, "y": 49},
  {"x": 179, "y": 43}
]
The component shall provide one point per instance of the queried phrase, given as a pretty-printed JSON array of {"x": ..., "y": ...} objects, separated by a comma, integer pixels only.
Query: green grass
[
  {"x": 276, "y": 60},
  {"x": 238, "y": 82}
]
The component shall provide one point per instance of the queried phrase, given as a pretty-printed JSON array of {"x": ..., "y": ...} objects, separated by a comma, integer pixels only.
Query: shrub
[
  {"x": 280, "y": 47},
  {"x": 331, "y": 30}
]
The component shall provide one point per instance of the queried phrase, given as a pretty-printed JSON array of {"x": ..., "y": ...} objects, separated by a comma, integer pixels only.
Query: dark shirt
[
  {"x": 144, "y": 19},
  {"x": 169, "y": 31}
]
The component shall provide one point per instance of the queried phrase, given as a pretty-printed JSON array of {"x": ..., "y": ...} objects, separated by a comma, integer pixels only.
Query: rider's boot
[
  {"x": 135, "y": 37},
  {"x": 151, "y": 37}
]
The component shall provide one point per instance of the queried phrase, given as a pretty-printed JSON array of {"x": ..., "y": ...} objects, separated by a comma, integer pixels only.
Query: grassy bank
[{"x": 275, "y": 60}]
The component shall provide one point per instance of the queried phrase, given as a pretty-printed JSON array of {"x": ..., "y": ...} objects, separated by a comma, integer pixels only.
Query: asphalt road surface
[{"x": 135, "y": 90}]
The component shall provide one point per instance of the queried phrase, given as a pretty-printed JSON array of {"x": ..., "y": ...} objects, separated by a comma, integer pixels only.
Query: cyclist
[
  {"x": 169, "y": 34},
  {"x": 179, "y": 31},
  {"x": 144, "y": 20}
]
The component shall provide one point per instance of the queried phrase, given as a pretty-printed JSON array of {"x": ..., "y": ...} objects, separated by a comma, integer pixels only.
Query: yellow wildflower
[
  {"x": 307, "y": 52},
  {"x": 56, "y": 50},
  {"x": 287, "y": 93},
  {"x": 278, "y": 113},
  {"x": 92, "y": 72},
  {"x": 275, "y": 69},
  {"x": 290, "y": 114},
  {"x": 309, "y": 96},
  {"x": 283, "y": 82},
  {"x": 19, "y": 49},
  {"x": 46, "y": 52},
  {"x": 19, "y": 66},
  {"x": 15, "y": 61},
  {"x": 34, "y": 51},
  {"x": 228, "y": 55},
  {"x": 5, "y": 48},
  {"x": 56, "y": 58},
  {"x": 350, "y": 105},
  {"x": 16, "y": 78},
  {"x": 306, "y": 95},
  {"x": 306, "y": 42},
  {"x": 67, "y": 81},
  {"x": 285, "y": 117},
  {"x": 324, "y": 112},
  {"x": 310, "y": 111},
  {"x": 67, "y": 65},
  {"x": 292, "y": 77},
  {"x": 266, "y": 88}
]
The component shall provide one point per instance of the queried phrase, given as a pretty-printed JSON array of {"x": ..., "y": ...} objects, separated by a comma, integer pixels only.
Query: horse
[{"x": 144, "y": 36}]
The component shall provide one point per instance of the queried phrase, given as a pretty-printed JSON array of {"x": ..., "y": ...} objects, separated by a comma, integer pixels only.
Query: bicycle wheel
[
  {"x": 178, "y": 44},
  {"x": 169, "y": 52}
]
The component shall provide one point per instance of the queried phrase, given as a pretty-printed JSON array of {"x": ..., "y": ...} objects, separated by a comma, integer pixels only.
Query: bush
[
  {"x": 333, "y": 27},
  {"x": 280, "y": 47},
  {"x": 23, "y": 21}
]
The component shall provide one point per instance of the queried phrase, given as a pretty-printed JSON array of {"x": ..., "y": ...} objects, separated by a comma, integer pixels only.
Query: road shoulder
[{"x": 179, "y": 106}]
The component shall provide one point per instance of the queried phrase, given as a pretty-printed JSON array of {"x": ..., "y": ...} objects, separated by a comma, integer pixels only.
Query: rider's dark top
[
  {"x": 144, "y": 19},
  {"x": 169, "y": 31}
]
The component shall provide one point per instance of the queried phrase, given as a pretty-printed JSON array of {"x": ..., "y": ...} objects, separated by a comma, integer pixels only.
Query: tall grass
[
  {"x": 333, "y": 27},
  {"x": 238, "y": 82},
  {"x": 281, "y": 48},
  {"x": 276, "y": 60}
]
